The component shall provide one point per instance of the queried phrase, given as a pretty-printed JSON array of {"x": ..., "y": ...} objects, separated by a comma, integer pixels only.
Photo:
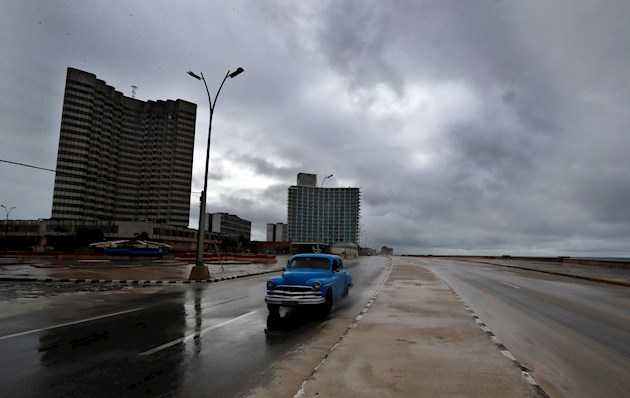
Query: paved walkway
[
  {"x": 417, "y": 339},
  {"x": 126, "y": 271}
]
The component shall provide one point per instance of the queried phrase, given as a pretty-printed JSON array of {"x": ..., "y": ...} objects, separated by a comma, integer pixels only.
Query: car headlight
[
  {"x": 270, "y": 284},
  {"x": 316, "y": 285}
]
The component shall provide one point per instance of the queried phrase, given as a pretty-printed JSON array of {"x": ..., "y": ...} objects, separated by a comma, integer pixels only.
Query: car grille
[{"x": 292, "y": 291}]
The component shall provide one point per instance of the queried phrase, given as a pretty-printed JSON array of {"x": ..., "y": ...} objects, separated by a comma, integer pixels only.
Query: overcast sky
[{"x": 481, "y": 127}]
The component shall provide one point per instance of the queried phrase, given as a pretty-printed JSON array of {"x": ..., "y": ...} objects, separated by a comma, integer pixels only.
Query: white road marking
[
  {"x": 508, "y": 355},
  {"x": 70, "y": 323},
  {"x": 194, "y": 335},
  {"x": 511, "y": 285},
  {"x": 528, "y": 377}
]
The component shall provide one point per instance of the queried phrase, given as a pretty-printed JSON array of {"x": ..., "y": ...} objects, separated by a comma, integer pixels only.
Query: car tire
[
  {"x": 346, "y": 290},
  {"x": 326, "y": 308},
  {"x": 273, "y": 308}
]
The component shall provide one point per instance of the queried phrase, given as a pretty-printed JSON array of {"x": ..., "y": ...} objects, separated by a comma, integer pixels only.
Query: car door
[{"x": 338, "y": 277}]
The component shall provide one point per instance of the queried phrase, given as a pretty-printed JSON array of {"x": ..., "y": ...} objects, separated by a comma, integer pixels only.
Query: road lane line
[
  {"x": 70, "y": 323},
  {"x": 195, "y": 335},
  {"x": 509, "y": 284}
]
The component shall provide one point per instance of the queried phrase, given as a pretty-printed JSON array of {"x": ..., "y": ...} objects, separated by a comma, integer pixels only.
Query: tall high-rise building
[
  {"x": 322, "y": 215},
  {"x": 120, "y": 158}
]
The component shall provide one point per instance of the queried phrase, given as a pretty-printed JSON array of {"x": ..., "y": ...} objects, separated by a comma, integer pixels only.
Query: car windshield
[{"x": 310, "y": 262}]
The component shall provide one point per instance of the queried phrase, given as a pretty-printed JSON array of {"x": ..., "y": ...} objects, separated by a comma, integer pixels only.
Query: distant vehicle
[{"x": 317, "y": 280}]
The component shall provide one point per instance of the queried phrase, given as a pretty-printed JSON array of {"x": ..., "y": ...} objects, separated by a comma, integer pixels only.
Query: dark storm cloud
[
  {"x": 481, "y": 126},
  {"x": 491, "y": 158}
]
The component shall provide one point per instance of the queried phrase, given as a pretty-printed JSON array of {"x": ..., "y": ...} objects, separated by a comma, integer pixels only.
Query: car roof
[{"x": 316, "y": 255}]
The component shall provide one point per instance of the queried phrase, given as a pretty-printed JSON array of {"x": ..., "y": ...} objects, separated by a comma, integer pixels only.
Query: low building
[
  {"x": 43, "y": 234},
  {"x": 229, "y": 225},
  {"x": 387, "y": 251},
  {"x": 367, "y": 251},
  {"x": 21, "y": 234}
]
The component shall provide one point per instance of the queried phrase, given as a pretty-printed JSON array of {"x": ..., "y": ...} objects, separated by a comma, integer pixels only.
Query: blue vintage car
[{"x": 309, "y": 279}]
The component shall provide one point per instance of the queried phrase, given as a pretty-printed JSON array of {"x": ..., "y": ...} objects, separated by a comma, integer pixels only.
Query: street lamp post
[
  {"x": 6, "y": 226},
  {"x": 200, "y": 270},
  {"x": 319, "y": 210}
]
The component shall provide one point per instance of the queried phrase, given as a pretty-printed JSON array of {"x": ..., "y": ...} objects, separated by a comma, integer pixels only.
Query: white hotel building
[{"x": 322, "y": 215}]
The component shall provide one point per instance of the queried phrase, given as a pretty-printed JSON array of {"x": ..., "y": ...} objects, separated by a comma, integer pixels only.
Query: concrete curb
[{"x": 130, "y": 281}]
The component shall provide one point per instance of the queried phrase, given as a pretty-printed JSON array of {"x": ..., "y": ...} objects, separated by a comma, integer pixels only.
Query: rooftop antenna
[{"x": 133, "y": 91}]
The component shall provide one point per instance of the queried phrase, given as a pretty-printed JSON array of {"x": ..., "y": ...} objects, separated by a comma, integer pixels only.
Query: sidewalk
[
  {"x": 417, "y": 340},
  {"x": 130, "y": 272}
]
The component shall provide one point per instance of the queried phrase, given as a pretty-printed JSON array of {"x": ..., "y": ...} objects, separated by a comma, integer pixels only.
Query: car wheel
[
  {"x": 346, "y": 291},
  {"x": 326, "y": 308},
  {"x": 273, "y": 308}
]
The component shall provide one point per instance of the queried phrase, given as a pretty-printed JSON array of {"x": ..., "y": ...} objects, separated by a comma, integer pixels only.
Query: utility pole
[
  {"x": 6, "y": 226},
  {"x": 200, "y": 270}
]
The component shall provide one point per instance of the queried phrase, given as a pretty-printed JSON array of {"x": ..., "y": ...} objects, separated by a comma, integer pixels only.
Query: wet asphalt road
[
  {"x": 573, "y": 334},
  {"x": 33, "y": 290},
  {"x": 176, "y": 341},
  {"x": 210, "y": 339}
]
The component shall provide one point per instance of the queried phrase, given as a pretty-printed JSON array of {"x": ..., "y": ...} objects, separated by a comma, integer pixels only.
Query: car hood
[{"x": 300, "y": 277}]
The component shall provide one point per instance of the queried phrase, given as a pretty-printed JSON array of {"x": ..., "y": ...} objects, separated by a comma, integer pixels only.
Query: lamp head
[
  {"x": 237, "y": 72},
  {"x": 194, "y": 75}
]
